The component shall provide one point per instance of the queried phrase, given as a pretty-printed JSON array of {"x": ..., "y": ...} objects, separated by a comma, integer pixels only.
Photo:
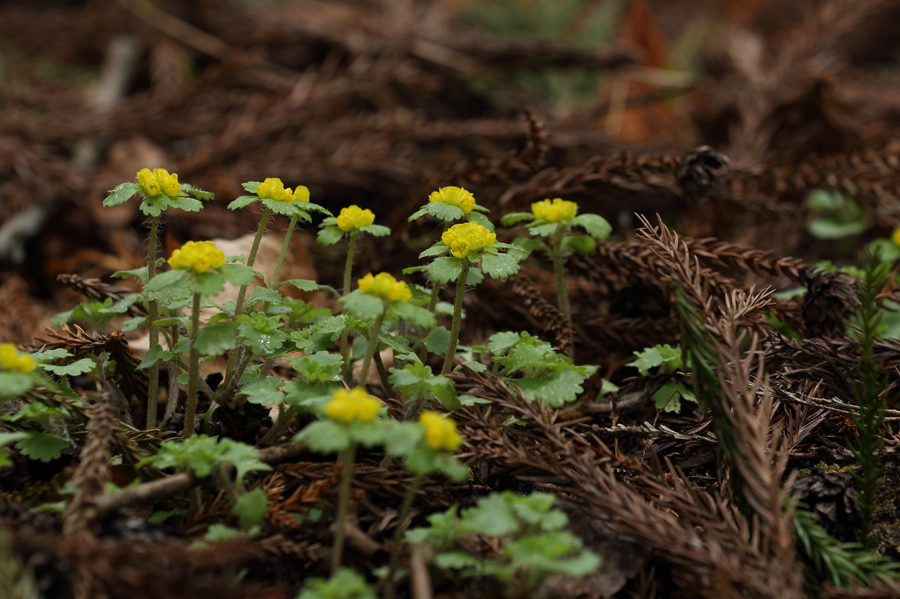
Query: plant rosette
[
  {"x": 161, "y": 190},
  {"x": 553, "y": 219},
  {"x": 279, "y": 199},
  {"x": 468, "y": 244},
  {"x": 450, "y": 204},
  {"x": 351, "y": 417},
  {"x": 351, "y": 221}
]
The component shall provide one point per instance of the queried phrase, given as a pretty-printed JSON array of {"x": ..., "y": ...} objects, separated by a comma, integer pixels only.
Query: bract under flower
[
  {"x": 467, "y": 237},
  {"x": 11, "y": 359},
  {"x": 198, "y": 256},
  {"x": 352, "y": 406},
  {"x": 454, "y": 196},
  {"x": 353, "y": 218},
  {"x": 385, "y": 286},
  {"x": 274, "y": 189},
  {"x": 559, "y": 210},
  {"x": 440, "y": 432}
]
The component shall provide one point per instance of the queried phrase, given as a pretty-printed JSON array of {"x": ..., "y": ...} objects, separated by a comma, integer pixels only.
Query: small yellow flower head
[
  {"x": 440, "y": 432},
  {"x": 467, "y": 237},
  {"x": 301, "y": 194},
  {"x": 454, "y": 196},
  {"x": 198, "y": 256},
  {"x": 385, "y": 286},
  {"x": 350, "y": 406},
  {"x": 354, "y": 218},
  {"x": 559, "y": 210},
  {"x": 11, "y": 359},
  {"x": 273, "y": 189},
  {"x": 147, "y": 180},
  {"x": 169, "y": 183},
  {"x": 895, "y": 236}
]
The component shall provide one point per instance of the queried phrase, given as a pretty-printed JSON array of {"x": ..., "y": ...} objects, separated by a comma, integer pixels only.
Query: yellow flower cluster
[
  {"x": 158, "y": 181},
  {"x": 385, "y": 286},
  {"x": 440, "y": 432},
  {"x": 353, "y": 218},
  {"x": 895, "y": 236},
  {"x": 274, "y": 189},
  {"x": 350, "y": 406},
  {"x": 198, "y": 256},
  {"x": 557, "y": 211},
  {"x": 11, "y": 359},
  {"x": 467, "y": 237},
  {"x": 454, "y": 196}
]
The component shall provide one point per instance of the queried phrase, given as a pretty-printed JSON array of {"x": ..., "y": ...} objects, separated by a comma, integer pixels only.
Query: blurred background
[{"x": 378, "y": 102}]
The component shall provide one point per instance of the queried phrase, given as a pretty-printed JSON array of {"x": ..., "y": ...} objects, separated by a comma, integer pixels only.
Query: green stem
[
  {"x": 457, "y": 316},
  {"x": 234, "y": 355},
  {"x": 284, "y": 248},
  {"x": 562, "y": 292},
  {"x": 346, "y": 351},
  {"x": 152, "y": 316},
  {"x": 284, "y": 417},
  {"x": 390, "y": 591},
  {"x": 190, "y": 410},
  {"x": 371, "y": 346},
  {"x": 435, "y": 292},
  {"x": 337, "y": 552},
  {"x": 173, "y": 374}
]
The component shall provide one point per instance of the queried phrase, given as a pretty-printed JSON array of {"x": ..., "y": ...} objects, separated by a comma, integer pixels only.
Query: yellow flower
[
  {"x": 169, "y": 183},
  {"x": 301, "y": 194},
  {"x": 353, "y": 218},
  {"x": 557, "y": 211},
  {"x": 10, "y": 359},
  {"x": 467, "y": 237},
  {"x": 385, "y": 286},
  {"x": 350, "y": 406},
  {"x": 274, "y": 189},
  {"x": 895, "y": 236},
  {"x": 440, "y": 432},
  {"x": 454, "y": 196},
  {"x": 148, "y": 182},
  {"x": 198, "y": 256}
]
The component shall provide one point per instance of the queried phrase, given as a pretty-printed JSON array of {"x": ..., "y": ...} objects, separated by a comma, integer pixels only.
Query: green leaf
[
  {"x": 362, "y": 305},
  {"x": 376, "y": 230},
  {"x": 121, "y": 306},
  {"x": 251, "y": 508},
  {"x": 325, "y": 436},
  {"x": 438, "y": 249},
  {"x": 457, "y": 560},
  {"x": 319, "y": 368},
  {"x": 500, "y": 266},
  {"x": 444, "y": 212},
  {"x": 241, "y": 202},
  {"x": 41, "y": 446},
  {"x": 277, "y": 207},
  {"x": 661, "y": 355},
  {"x": 542, "y": 228},
  {"x": 301, "y": 395},
  {"x": 121, "y": 194},
  {"x": 499, "y": 343},
  {"x": 481, "y": 219},
  {"x": 438, "y": 341},
  {"x": 197, "y": 193},
  {"x": 237, "y": 274},
  {"x": 61, "y": 318},
  {"x": 73, "y": 369},
  {"x": 165, "y": 279},
  {"x": 561, "y": 387},
  {"x": 329, "y": 235},
  {"x": 515, "y": 217},
  {"x": 302, "y": 284},
  {"x": 524, "y": 246},
  {"x": 420, "y": 317},
  {"x": 48, "y": 355},
  {"x": 154, "y": 206},
  {"x": 263, "y": 391},
  {"x": 595, "y": 225},
  {"x": 445, "y": 269},
  {"x": 418, "y": 213},
  {"x": 346, "y": 584},
  {"x": 579, "y": 244},
  {"x": 216, "y": 339},
  {"x": 209, "y": 283},
  {"x": 6, "y": 439},
  {"x": 186, "y": 204},
  {"x": 14, "y": 383},
  {"x": 250, "y": 186},
  {"x": 264, "y": 294},
  {"x": 492, "y": 516},
  {"x": 132, "y": 324},
  {"x": 424, "y": 461}
]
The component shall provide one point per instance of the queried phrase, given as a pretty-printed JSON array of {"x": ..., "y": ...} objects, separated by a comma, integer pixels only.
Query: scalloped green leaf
[
  {"x": 216, "y": 339},
  {"x": 41, "y": 446},
  {"x": 438, "y": 341},
  {"x": 413, "y": 314},
  {"x": 242, "y": 202},
  {"x": 209, "y": 283},
  {"x": 200, "y": 194},
  {"x": 438, "y": 249},
  {"x": 14, "y": 383},
  {"x": 362, "y": 305},
  {"x": 237, "y": 274},
  {"x": 515, "y": 217},
  {"x": 121, "y": 194},
  {"x": 263, "y": 391},
  {"x": 543, "y": 229},
  {"x": 595, "y": 225},
  {"x": 74, "y": 369},
  {"x": 165, "y": 279},
  {"x": 445, "y": 269},
  {"x": 376, "y": 230},
  {"x": 499, "y": 266},
  {"x": 481, "y": 219},
  {"x": 329, "y": 235},
  {"x": 325, "y": 436},
  {"x": 444, "y": 212},
  {"x": 277, "y": 207},
  {"x": 186, "y": 204},
  {"x": 302, "y": 284}
]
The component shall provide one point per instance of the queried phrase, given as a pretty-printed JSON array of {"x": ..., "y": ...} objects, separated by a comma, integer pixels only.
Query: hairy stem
[
  {"x": 347, "y": 351},
  {"x": 389, "y": 590},
  {"x": 284, "y": 248},
  {"x": 337, "y": 552},
  {"x": 370, "y": 349},
  {"x": 190, "y": 410},
  {"x": 152, "y": 317},
  {"x": 457, "y": 316}
]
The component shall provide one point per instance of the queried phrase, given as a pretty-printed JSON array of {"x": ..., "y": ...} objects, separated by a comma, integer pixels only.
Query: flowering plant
[{"x": 453, "y": 203}]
